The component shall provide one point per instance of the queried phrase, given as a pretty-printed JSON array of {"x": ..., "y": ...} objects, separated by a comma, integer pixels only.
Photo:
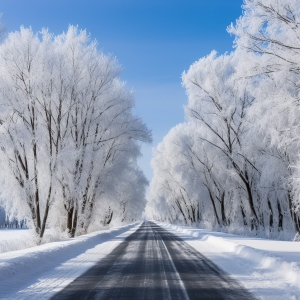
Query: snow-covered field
[
  {"x": 9, "y": 234},
  {"x": 39, "y": 272},
  {"x": 15, "y": 239},
  {"x": 269, "y": 269}
]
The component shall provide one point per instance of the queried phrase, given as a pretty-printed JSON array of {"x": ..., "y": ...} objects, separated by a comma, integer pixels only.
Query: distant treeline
[{"x": 5, "y": 222}]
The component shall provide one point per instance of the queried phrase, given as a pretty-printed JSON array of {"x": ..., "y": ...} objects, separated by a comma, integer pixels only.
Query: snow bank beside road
[
  {"x": 39, "y": 272},
  {"x": 269, "y": 269}
]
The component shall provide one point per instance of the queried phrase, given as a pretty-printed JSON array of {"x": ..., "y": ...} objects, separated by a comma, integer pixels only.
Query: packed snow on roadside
[
  {"x": 270, "y": 269},
  {"x": 40, "y": 272}
]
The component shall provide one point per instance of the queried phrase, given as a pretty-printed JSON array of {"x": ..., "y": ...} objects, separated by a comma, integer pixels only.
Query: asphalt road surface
[{"x": 154, "y": 264}]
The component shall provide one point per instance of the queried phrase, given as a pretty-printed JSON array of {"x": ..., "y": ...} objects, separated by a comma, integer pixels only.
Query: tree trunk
[
  {"x": 293, "y": 214},
  {"x": 72, "y": 216},
  {"x": 70, "y": 219},
  {"x": 254, "y": 216},
  {"x": 280, "y": 217},
  {"x": 109, "y": 217},
  {"x": 224, "y": 220},
  {"x": 214, "y": 207},
  {"x": 244, "y": 216},
  {"x": 271, "y": 215}
]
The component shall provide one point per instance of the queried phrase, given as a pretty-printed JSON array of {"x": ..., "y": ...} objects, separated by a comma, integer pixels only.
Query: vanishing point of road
[{"x": 153, "y": 263}]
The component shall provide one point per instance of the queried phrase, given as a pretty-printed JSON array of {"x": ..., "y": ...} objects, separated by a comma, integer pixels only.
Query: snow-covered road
[
  {"x": 153, "y": 263},
  {"x": 269, "y": 269}
]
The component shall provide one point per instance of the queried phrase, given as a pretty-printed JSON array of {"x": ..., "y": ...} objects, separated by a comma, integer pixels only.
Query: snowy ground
[
  {"x": 269, "y": 269},
  {"x": 39, "y": 272},
  {"x": 14, "y": 239},
  {"x": 8, "y": 234}
]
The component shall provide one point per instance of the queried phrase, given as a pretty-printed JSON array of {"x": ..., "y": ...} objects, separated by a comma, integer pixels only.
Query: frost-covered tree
[
  {"x": 270, "y": 27},
  {"x": 67, "y": 129},
  {"x": 218, "y": 102},
  {"x": 187, "y": 184},
  {"x": 22, "y": 134},
  {"x": 244, "y": 108},
  {"x": 268, "y": 37}
]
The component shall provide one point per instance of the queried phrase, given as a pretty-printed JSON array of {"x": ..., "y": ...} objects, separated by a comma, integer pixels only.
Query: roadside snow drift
[{"x": 269, "y": 269}]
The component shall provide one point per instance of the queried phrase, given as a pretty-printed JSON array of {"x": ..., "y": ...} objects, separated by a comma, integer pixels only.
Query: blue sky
[{"x": 154, "y": 41}]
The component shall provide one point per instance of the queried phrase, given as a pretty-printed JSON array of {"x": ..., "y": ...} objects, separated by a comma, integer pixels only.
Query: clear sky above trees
[{"x": 155, "y": 41}]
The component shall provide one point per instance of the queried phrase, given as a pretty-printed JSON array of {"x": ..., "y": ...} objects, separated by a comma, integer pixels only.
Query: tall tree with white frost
[
  {"x": 218, "y": 102},
  {"x": 268, "y": 36},
  {"x": 67, "y": 129}
]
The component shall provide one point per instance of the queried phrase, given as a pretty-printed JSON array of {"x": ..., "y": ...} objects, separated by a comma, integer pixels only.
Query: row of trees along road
[
  {"x": 234, "y": 164},
  {"x": 69, "y": 141}
]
